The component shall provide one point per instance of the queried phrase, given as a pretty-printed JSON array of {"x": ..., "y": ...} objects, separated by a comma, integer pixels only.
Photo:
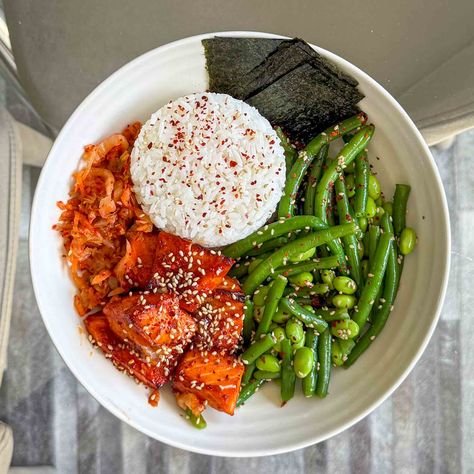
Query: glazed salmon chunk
[
  {"x": 154, "y": 323},
  {"x": 187, "y": 269},
  {"x": 123, "y": 355},
  {"x": 211, "y": 377},
  {"x": 220, "y": 321}
]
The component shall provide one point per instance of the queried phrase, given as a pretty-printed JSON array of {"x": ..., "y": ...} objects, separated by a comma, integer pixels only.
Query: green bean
[
  {"x": 388, "y": 207},
  {"x": 350, "y": 185},
  {"x": 373, "y": 240},
  {"x": 248, "y": 322},
  {"x": 254, "y": 264},
  {"x": 197, "y": 421},
  {"x": 265, "y": 247},
  {"x": 327, "y": 276},
  {"x": 345, "y": 329},
  {"x": 324, "y": 360},
  {"x": 277, "y": 259},
  {"x": 371, "y": 208},
  {"x": 350, "y": 242},
  {"x": 345, "y": 285},
  {"x": 340, "y": 350},
  {"x": 407, "y": 240},
  {"x": 258, "y": 312},
  {"x": 336, "y": 353},
  {"x": 400, "y": 199},
  {"x": 247, "y": 391},
  {"x": 310, "y": 319},
  {"x": 268, "y": 362},
  {"x": 303, "y": 361},
  {"x": 294, "y": 330},
  {"x": 391, "y": 282},
  {"x": 332, "y": 314},
  {"x": 364, "y": 266},
  {"x": 271, "y": 231},
  {"x": 308, "y": 291},
  {"x": 266, "y": 375},
  {"x": 344, "y": 301},
  {"x": 288, "y": 148},
  {"x": 301, "y": 279},
  {"x": 374, "y": 280},
  {"x": 299, "y": 168},
  {"x": 257, "y": 348},
  {"x": 301, "y": 257},
  {"x": 239, "y": 270},
  {"x": 288, "y": 377},
  {"x": 374, "y": 187},
  {"x": 260, "y": 295},
  {"x": 362, "y": 173},
  {"x": 271, "y": 304},
  {"x": 317, "y": 264},
  {"x": 308, "y": 384},
  {"x": 249, "y": 370},
  {"x": 313, "y": 176},
  {"x": 347, "y": 154}
]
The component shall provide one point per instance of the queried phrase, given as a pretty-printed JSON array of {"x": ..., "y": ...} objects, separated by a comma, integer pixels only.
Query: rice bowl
[{"x": 186, "y": 160}]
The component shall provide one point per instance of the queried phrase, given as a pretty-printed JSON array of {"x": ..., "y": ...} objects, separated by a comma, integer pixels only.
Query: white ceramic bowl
[{"x": 261, "y": 427}]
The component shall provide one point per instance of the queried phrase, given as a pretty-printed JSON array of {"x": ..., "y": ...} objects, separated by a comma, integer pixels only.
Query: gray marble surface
[{"x": 426, "y": 426}]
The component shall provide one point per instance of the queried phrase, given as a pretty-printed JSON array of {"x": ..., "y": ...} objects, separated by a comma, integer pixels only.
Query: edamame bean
[
  {"x": 308, "y": 307},
  {"x": 294, "y": 330},
  {"x": 260, "y": 295},
  {"x": 371, "y": 208},
  {"x": 350, "y": 185},
  {"x": 374, "y": 187},
  {"x": 328, "y": 276},
  {"x": 279, "y": 334},
  {"x": 280, "y": 316},
  {"x": 345, "y": 285},
  {"x": 363, "y": 223},
  {"x": 344, "y": 301},
  {"x": 303, "y": 362},
  {"x": 297, "y": 345},
  {"x": 268, "y": 363},
  {"x": 301, "y": 279},
  {"x": 344, "y": 329},
  {"x": 336, "y": 353},
  {"x": 407, "y": 240},
  {"x": 197, "y": 421},
  {"x": 301, "y": 257}
]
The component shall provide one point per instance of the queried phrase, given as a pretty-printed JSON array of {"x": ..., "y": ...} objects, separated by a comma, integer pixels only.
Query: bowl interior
[{"x": 261, "y": 427}]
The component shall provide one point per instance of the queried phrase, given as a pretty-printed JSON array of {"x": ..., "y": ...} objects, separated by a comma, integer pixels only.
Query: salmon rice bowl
[{"x": 240, "y": 236}]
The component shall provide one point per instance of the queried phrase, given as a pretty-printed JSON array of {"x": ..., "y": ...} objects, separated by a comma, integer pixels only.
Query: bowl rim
[{"x": 35, "y": 274}]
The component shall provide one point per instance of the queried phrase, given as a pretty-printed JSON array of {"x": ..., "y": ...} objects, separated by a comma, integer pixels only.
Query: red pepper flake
[
  {"x": 150, "y": 145},
  {"x": 233, "y": 164}
]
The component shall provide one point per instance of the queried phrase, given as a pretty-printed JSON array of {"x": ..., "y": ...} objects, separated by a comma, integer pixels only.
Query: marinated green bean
[
  {"x": 266, "y": 375},
  {"x": 290, "y": 152},
  {"x": 310, "y": 319},
  {"x": 311, "y": 266},
  {"x": 271, "y": 304},
  {"x": 267, "y": 246},
  {"x": 313, "y": 176},
  {"x": 288, "y": 376},
  {"x": 197, "y": 421},
  {"x": 400, "y": 199},
  {"x": 373, "y": 240},
  {"x": 247, "y": 391},
  {"x": 350, "y": 242},
  {"x": 347, "y": 154},
  {"x": 248, "y": 374},
  {"x": 308, "y": 291},
  {"x": 298, "y": 171},
  {"x": 374, "y": 280},
  {"x": 277, "y": 259},
  {"x": 248, "y": 322},
  {"x": 308, "y": 384},
  {"x": 258, "y": 348},
  {"x": 362, "y": 173},
  {"x": 324, "y": 361}
]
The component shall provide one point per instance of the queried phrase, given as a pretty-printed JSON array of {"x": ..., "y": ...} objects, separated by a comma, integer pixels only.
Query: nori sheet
[
  {"x": 291, "y": 85},
  {"x": 230, "y": 58},
  {"x": 303, "y": 103}
]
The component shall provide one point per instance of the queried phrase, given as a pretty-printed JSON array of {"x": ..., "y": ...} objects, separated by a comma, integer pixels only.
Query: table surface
[{"x": 426, "y": 426}]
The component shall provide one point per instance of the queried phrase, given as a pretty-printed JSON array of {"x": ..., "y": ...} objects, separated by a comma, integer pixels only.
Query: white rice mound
[{"x": 209, "y": 168}]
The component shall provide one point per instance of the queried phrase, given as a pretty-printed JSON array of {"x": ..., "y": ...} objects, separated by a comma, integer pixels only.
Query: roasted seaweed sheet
[{"x": 288, "y": 82}]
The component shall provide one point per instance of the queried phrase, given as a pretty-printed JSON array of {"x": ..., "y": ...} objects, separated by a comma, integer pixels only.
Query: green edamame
[
  {"x": 294, "y": 330},
  {"x": 374, "y": 187},
  {"x": 345, "y": 285},
  {"x": 344, "y": 301},
  {"x": 260, "y": 295},
  {"x": 344, "y": 329},
  {"x": 407, "y": 240},
  {"x": 301, "y": 279},
  {"x": 303, "y": 361},
  {"x": 268, "y": 363}
]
